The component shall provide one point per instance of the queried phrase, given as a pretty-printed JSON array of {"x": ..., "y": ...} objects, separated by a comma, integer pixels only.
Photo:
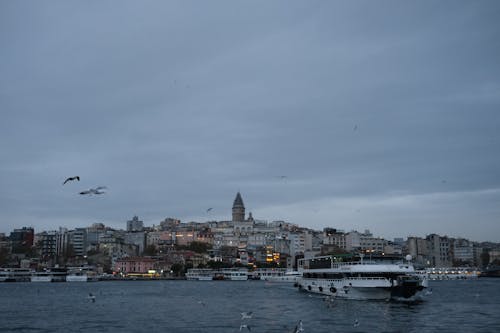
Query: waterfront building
[
  {"x": 22, "y": 239},
  {"x": 419, "y": 250},
  {"x": 392, "y": 248},
  {"x": 62, "y": 241},
  {"x": 169, "y": 224},
  {"x": 153, "y": 238},
  {"x": 135, "y": 225},
  {"x": 440, "y": 251},
  {"x": 301, "y": 241},
  {"x": 364, "y": 242},
  {"x": 137, "y": 238},
  {"x": 78, "y": 240},
  {"x": 133, "y": 265},
  {"x": 494, "y": 256},
  {"x": 112, "y": 244},
  {"x": 94, "y": 233},
  {"x": 334, "y": 237},
  {"x": 205, "y": 235},
  {"x": 463, "y": 252},
  {"x": 47, "y": 242}
]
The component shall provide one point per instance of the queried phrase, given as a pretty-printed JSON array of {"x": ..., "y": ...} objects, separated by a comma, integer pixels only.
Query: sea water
[{"x": 216, "y": 306}]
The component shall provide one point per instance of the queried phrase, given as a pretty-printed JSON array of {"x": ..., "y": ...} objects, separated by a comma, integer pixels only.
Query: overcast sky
[{"x": 382, "y": 115}]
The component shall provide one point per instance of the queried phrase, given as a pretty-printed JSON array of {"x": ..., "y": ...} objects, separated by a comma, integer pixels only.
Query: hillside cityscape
[{"x": 170, "y": 248}]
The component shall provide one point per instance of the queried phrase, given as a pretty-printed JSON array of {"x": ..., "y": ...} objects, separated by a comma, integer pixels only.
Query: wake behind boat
[{"x": 361, "y": 280}]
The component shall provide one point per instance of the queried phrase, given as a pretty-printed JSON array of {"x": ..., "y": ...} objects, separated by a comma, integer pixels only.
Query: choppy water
[{"x": 206, "y": 306}]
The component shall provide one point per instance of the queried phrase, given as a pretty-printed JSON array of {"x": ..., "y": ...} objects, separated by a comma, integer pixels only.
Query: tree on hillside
[
  {"x": 150, "y": 250},
  {"x": 177, "y": 269},
  {"x": 199, "y": 247}
]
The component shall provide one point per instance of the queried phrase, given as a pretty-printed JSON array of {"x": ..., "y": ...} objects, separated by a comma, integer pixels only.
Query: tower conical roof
[{"x": 238, "y": 202}]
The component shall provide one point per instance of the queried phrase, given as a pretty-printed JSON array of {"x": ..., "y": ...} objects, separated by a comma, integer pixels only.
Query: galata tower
[{"x": 238, "y": 209}]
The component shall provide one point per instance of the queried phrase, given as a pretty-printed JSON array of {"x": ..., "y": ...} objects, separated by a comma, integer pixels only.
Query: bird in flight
[
  {"x": 71, "y": 178},
  {"x": 246, "y": 315},
  {"x": 299, "y": 327},
  {"x": 242, "y": 326},
  {"x": 96, "y": 190},
  {"x": 209, "y": 209}
]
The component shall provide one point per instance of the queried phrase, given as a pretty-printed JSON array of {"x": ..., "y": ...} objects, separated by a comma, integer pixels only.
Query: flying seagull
[
  {"x": 96, "y": 190},
  {"x": 242, "y": 326},
  {"x": 298, "y": 328},
  {"x": 71, "y": 178},
  {"x": 86, "y": 192},
  {"x": 246, "y": 315},
  {"x": 209, "y": 209}
]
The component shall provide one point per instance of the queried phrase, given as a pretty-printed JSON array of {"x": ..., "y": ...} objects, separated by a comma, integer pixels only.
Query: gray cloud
[{"x": 176, "y": 106}]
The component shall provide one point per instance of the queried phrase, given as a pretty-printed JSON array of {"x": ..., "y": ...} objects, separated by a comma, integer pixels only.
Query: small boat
[
  {"x": 200, "y": 274},
  {"x": 81, "y": 274},
  {"x": 234, "y": 274},
  {"x": 279, "y": 275},
  {"x": 77, "y": 277}
]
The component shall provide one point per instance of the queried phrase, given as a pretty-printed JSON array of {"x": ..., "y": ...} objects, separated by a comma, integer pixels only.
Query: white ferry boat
[
  {"x": 77, "y": 277},
  {"x": 81, "y": 274},
  {"x": 53, "y": 275},
  {"x": 41, "y": 277},
  {"x": 361, "y": 280},
  {"x": 279, "y": 275},
  {"x": 455, "y": 273},
  {"x": 235, "y": 274},
  {"x": 200, "y": 274},
  {"x": 15, "y": 274}
]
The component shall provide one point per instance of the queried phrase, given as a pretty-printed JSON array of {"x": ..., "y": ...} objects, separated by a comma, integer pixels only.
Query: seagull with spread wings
[
  {"x": 71, "y": 179},
  {"x": 96, "y": 190}
]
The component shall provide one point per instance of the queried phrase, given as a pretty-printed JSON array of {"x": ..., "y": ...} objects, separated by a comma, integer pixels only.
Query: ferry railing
[{"x": 309, "y": 263}]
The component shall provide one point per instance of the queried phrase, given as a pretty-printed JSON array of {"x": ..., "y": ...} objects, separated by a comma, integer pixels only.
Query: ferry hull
[
  {"x": 375, "y": 289},
  {"x": 76, "y": 278},
  {"x": 41, "y": 279},
  {"x": 341, "y": 289}
]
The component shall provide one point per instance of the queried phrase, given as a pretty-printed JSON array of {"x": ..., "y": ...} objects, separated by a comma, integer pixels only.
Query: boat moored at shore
[
  {"x": 278, "y": 275},
  {"x": 15, "y": 274},
  {"x": 50, "y": 275},
  {"x": 200, "y": 274},
  {"x": 454, "y": 273}
]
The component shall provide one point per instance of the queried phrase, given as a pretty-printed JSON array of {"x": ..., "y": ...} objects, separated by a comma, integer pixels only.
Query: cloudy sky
[{"x": 381, "y": 115}]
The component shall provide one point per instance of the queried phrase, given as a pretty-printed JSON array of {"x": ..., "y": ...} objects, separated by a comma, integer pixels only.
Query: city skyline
[
  {"x": 380, "y": 116},
  {"x": 240, "y": 216}
]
